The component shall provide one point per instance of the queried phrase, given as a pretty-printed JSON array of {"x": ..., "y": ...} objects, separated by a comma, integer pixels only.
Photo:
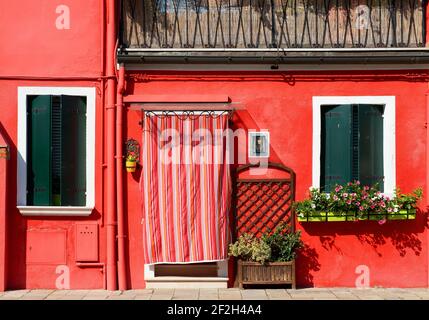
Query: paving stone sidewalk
[{"x": 222, "y": 294}]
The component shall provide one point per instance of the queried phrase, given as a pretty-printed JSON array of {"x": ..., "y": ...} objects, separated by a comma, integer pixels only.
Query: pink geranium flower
[{"x": 383, "y": 221}]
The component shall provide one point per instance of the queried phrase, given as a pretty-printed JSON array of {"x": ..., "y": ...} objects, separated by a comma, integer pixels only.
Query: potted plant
[
  {"x": 269, "y": 259},
  {"x": 352, "y": 202},
  {"x": 131, "y": 163},
  {"x": 133, "y": 150}
]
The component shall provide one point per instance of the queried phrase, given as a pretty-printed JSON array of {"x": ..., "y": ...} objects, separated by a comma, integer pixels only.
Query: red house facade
[{"x": 80, "y": 79}]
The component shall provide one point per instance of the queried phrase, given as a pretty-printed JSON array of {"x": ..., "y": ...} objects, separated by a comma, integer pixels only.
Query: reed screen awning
[{"x": 272, "y": 24}]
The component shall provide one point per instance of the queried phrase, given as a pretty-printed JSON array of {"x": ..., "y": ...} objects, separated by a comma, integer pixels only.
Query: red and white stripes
[{"x": 185, "y": 187}]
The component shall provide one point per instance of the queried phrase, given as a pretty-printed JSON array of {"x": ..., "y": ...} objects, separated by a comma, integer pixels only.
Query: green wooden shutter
[
  {"x": 73, "y": 151},
  {"x": 56, "y": 129},
  {"x": 371, "y": 145},
  {"x": 336, "y": 148},
  {"x": 39, "y": 151}
]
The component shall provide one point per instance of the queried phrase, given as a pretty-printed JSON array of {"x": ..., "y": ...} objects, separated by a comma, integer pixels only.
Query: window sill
[{"x": 54, "y": 211}]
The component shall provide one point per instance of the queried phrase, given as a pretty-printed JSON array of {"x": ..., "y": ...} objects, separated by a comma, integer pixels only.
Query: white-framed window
[
  {"x": 259, "y": 144},
  {"x": 354, "y": 139},
  {"x": 56, "y": 151}
]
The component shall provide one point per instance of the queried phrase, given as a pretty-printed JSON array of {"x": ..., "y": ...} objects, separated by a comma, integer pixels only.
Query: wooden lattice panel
[{"x": 262, "y": 204}]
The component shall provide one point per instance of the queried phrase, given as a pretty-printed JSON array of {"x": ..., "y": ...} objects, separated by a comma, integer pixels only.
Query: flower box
[
  {"x": 255, "y": 273},
  {"x": 350, "y": 216},
  {"x": 327, "y": 216},
  {"x": 317, "y": 216},
  {"x": 403, "y": 215},
  {"x": 354, "y": 202}
]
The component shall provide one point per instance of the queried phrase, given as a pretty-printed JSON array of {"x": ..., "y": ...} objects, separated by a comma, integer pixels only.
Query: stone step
[{"x": 186, "y": 282}]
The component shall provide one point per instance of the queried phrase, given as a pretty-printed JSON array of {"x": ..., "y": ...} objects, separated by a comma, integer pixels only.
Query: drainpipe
[
  {"x": 426, "y": 25},
  {"x": 110, "y": 145},
  {"x": 119, "y": 185},
  {"x": 4, "y": 156},
  {"x": 427, "y": 173}
]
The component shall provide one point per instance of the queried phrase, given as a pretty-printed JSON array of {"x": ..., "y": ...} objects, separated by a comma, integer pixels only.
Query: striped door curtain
[{"x": 185, "y": 186}]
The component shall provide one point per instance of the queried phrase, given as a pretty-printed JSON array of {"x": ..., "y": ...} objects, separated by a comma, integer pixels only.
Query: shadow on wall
[
  {"x": 307, "y": 262},
  {"x": 16, "y": 236},
  {"x": 402, "y": 234}
]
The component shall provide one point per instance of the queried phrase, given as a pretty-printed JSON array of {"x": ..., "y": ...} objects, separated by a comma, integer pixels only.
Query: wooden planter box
[{"x": 269, "y": 273}]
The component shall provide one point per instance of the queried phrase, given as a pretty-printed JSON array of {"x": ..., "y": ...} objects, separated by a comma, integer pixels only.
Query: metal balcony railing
[{"x": 250, "y": 24}]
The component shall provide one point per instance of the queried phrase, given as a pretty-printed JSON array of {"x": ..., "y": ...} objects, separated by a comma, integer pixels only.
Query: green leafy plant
[
  {"x": 408, "y": 201},
  {"x": 249, "y": 248},
  {"x": 283, "y": 243},
  {"x": 280, "y": 245},
  {"x": 131, "y": 157}
]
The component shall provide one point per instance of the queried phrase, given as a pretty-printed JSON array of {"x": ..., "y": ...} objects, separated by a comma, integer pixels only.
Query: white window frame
[
  {"x": 389, "y": 134},
  {"x": 89, "y": 93}
]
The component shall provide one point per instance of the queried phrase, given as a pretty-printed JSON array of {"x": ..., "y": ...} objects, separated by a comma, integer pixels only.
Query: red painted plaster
[
  {"x": 32, "y": 44},
  {"x": 396, "y": 253}
]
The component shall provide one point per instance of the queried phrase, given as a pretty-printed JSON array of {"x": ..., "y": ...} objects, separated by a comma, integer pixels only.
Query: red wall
[
  {"x": 35, "y": 53},
  {"x": 33, "y": 48},
  {"x": 32, "y": 44},
  {"x": 396, "y": 252}
]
